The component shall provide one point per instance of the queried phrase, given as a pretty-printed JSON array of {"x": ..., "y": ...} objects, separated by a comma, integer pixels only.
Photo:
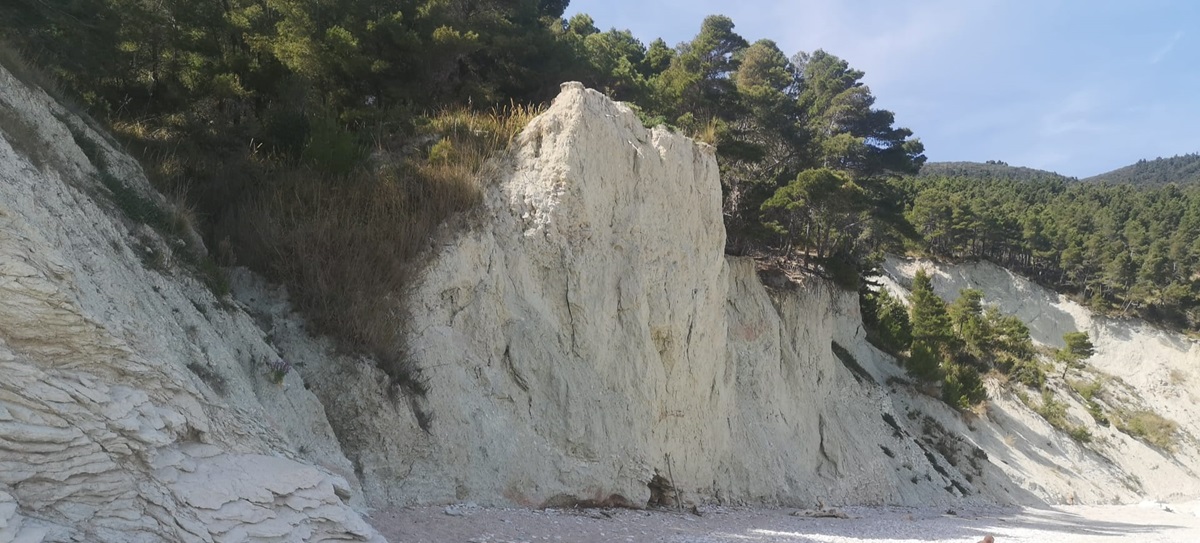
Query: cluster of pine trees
[
  {"x": 952, "y": 345},
  {"x": 314, "y": 82},
  {"x": 1122, "y": 248},
  {"x": 322, "y": 143}
]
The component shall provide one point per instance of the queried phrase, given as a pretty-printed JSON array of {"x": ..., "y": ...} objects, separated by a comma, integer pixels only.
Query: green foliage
[
  {"x": 952, "y": 344},
  {"x": 1078, "y": 348},
  {"x": 1147, "y": 426},
  {"x": 1090, "y": 392},
  {"x": 923, "y": 362},
  {"x": 885, "y": 318},
  {"x": 331, "y": 148},
  {"x": 815, "y": 212},
  {"x": 1119, "y": 248},
  {"x": 990, "y": 170},
  {"x": 962, "y": 387},
  {"x": 1055, "y": 413},
  {"x": 134, "y": 205},
  {"x": 930, "y": 320},
  {"x": 1028, "y": 373},
  {"x": 1179, "y": 169},
  {"x": 249, "y": 104},
  {"x": 966, "y": 316}
]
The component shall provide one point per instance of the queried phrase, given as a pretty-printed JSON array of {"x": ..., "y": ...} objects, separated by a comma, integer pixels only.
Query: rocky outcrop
[
  {"x": 588, "y": 341},
  {"x": 585, "y": 341},
  {"x": 133, "y": 402}
]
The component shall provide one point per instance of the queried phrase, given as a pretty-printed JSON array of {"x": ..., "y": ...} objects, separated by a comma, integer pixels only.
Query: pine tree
[
  {"x": 1078, "y": 348},
  {"x": 932, "y": 333},
  {"x": 930, "y": 321}
]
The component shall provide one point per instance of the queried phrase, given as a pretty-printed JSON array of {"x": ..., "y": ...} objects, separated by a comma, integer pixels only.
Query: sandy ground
[{"x": 470, "y": 524}]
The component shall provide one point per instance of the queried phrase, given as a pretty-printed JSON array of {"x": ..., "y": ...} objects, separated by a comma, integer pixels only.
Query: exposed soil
[{"x": 1069, "y": 524}]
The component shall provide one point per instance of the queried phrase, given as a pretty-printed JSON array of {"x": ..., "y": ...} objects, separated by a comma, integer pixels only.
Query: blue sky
[{"x": 1078, "y": 87}]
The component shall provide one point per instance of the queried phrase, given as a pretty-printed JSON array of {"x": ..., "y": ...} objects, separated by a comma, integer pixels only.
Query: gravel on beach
[{"x": 468, "y": 523}]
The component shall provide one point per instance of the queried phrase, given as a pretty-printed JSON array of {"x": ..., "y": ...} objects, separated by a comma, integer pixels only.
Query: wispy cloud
[
  {"x": 883, "y": 38},
  {"x": 1165, "y": 50},
  {"x": 1081, "y": 113}
]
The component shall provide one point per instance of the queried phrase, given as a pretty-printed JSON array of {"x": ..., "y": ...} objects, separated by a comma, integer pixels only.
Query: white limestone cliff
[
  {"x": 133, "y": 405},
  {"x": 589, "y": 327},
  {"x": 583, "y": 338}
]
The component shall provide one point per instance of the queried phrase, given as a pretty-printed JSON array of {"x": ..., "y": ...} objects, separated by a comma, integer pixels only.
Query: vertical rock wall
[{"x": 588, "y": 338}]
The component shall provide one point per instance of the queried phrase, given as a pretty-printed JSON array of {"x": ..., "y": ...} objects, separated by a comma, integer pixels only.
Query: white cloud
[
  {"x": 888, "y": 40},
  {"x": 1078, "y": 113},
  {"x": 1165, "y": 50}
]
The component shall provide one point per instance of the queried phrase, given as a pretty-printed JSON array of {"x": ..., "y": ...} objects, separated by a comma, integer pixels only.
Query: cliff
[
  {"x": 583, "y": 338},
  {"x": 587, "y": 340},
  {"x": 134, "y": 404}
]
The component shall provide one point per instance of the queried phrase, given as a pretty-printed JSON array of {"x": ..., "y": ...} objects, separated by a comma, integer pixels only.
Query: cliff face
[
  {"x": 133, "y": 405},
  {"x": 589, "y": 337},
  {"x": 584, "y": 339}
]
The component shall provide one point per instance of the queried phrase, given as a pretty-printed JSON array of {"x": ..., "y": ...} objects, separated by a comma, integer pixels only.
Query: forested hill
[
  {"x": 992, "y": 169},
  {"x": 1179, "y": 169},
  {"x": 1125, "y": 249}
]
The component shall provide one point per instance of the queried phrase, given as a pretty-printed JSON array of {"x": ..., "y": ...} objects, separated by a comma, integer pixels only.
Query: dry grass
[
  {"x": 15, "y": 61},
  {"x": 1055, "y": 413},
  {"x": 350, "y": 247},
  {"x": 1147, "y": 426},
  {"x": 710, "y": 133}
]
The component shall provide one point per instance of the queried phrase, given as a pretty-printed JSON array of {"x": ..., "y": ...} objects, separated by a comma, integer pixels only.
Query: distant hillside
[
  {"x": 1180, "y": 169},
  {"x": 992, "y": 169}
]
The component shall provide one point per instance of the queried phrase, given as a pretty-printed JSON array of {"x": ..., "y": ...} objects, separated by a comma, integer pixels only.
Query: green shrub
[
  {"x": 962, "y": 387},
  {"x": 885, "y": 319},
  {"x": 1088, "y": 390},
  {"x": 134, "y": 205},
  {"x": 1055, "y": 413},
  {"x": 331, "y": 149},
  {"x": 1028, "y": 373},
  {"x": 1079, "y": 434},
  {"x": 923, "y": 363}
]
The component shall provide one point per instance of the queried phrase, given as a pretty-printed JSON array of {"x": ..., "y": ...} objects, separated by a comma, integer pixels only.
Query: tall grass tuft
[{"x": 350, "y": 246}]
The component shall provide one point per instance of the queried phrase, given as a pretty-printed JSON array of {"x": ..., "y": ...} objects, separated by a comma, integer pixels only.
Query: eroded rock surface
[
  {"x": 133, "y": 402},
  {"x": 1140, "y": 368},
  {"x": 588, "y": 341},
  {"x": 584, "y": 341}
]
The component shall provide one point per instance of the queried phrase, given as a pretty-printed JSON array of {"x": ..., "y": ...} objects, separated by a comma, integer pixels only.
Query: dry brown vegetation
[
  {"x": 349, "y": 246},
  {"x": 345, "y": 226}
]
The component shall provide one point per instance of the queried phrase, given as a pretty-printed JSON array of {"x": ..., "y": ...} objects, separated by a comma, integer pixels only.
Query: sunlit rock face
[
  {"x": 133, "y": 403},
  {"x": 587, "y": 336}
]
